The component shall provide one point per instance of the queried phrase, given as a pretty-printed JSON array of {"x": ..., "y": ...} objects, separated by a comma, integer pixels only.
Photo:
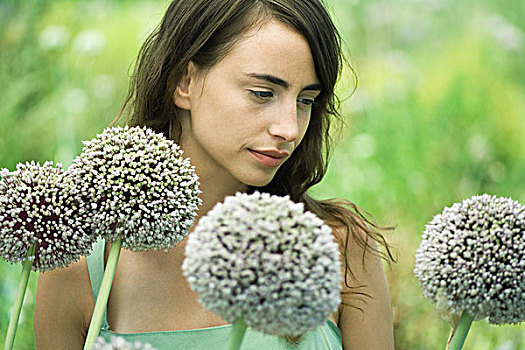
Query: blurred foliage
[{"x": 438, "y": 116}]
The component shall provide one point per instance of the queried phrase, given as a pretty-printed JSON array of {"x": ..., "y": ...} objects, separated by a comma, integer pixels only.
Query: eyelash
[
  {"x": 263, "y": 95},
  {"x": 306, "y": 101}
]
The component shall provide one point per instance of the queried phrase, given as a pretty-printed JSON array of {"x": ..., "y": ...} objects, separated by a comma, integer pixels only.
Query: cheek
[{"x": 224, "y": 124}]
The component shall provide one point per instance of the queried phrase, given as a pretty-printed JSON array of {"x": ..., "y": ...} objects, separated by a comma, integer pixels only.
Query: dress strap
[{"x": 95, "y": 264}]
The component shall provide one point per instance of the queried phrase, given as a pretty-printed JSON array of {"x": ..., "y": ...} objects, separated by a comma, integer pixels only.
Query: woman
[{"x": 246, "y": 88}]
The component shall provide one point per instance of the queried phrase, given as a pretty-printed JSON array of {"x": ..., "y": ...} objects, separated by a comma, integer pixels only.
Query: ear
[{"x": 182, "y": 94}]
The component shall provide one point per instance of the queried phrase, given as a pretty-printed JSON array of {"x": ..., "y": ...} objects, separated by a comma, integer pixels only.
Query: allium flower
[
  {"x": 472, "y": 259},
  {"x": 142, "y": 193},
  {"x": 264, "y": 258},
  {"x": 138, "y": 187},
  {"x": 36, "y": 210},
  {"x": 119, "y": 343}
]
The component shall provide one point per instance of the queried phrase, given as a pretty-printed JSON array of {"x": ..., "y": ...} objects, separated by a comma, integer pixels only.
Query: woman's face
[{"x": 243, "y": 117}]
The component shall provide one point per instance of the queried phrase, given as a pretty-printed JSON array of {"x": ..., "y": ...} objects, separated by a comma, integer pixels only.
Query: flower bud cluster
[
  {"x": 36, "y": 210},
  {"x": 266, "y": 259},
  {"x": 472, "y": 259},
  {"x": 119, "y": 343},
  {"x": 137, "y": 187}
]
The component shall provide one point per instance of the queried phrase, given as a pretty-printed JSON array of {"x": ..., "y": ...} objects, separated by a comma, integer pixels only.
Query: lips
[{"x": 270, "y": 158}]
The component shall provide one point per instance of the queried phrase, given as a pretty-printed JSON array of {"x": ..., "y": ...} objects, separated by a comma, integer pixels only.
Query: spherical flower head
[
  {"x": 471, "y": 259},
  {"x": 138, "y": 188},
  {"x": 37, "y": 210},
  {"x": 119, "y": 343},
  {"x": 266, "y": 259}
]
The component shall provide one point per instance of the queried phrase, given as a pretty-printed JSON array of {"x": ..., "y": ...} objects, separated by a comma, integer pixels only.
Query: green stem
[
  {"x": 461, "y": 331},
  {"x": 237, "y": 334},
  {"x": 17, "y": 307},
  {"x": 103, "y": 294}
]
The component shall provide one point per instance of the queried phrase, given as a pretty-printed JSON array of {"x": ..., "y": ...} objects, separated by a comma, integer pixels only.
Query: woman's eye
[
  {"x": 305, "y": 103},
  {"x": 261, "y": 94}
]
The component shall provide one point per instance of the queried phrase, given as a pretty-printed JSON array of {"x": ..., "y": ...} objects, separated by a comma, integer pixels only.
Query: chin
[{"x": 257, "y": 181}]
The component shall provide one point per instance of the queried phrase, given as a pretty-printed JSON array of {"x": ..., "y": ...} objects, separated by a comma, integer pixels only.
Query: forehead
[{"x": 272, "y": 48}]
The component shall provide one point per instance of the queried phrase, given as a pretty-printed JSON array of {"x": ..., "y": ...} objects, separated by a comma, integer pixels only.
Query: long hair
[{"x": 203, "y": 32}]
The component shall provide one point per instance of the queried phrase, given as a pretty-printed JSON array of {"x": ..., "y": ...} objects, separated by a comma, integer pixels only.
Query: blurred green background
[{"x": 438, "y": 116}]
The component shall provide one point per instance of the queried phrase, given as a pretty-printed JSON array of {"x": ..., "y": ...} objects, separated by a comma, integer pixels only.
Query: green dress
[{"x": 326, "y": 336}]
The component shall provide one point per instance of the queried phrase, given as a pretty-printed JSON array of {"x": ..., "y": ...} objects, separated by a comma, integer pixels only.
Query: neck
[
  {"x": 214, "y": 188},
  {"x": 214, "y": 191},
  {"x": 216, "y": 182}
]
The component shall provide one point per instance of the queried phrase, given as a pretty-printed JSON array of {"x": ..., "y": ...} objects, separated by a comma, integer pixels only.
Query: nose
[{"x": 284, "y": 125}]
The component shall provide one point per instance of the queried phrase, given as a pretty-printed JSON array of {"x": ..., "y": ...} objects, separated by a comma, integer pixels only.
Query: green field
[{"x": 438, "y": 116}]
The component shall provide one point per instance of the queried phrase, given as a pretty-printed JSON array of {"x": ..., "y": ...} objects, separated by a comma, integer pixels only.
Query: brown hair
[{"x": 203, "y": 31}]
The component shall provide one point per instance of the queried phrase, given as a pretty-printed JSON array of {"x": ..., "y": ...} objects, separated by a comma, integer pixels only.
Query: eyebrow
[{"x": 278, "y": 81}]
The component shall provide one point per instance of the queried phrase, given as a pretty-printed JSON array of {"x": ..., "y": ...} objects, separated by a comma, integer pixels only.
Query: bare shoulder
[
  {"x": 365, "y": 315},
  {"x": 64, "y": 303}
]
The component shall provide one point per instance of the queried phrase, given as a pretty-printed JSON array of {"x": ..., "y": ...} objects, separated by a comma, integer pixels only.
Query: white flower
[
  {"x": 36, "y": 209},
  {"x": 264, "y": 258},
  {"x": 137, "y": 187},
  {"x": 472, "y": 259},
  {"x": 53, "y": 37},
  {"x": 89, "y": 42},
  {"x": 506, "y": 34},
  {"x": 119, "y": 343}
]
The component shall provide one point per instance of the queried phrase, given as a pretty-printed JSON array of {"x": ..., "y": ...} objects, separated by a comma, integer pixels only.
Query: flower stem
[
  {"x": 460, "y": 333},
  {"x": 237, "y": 334},
  {"x": 103, "y": 294},
  {"x": 19, "y": 300}
]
